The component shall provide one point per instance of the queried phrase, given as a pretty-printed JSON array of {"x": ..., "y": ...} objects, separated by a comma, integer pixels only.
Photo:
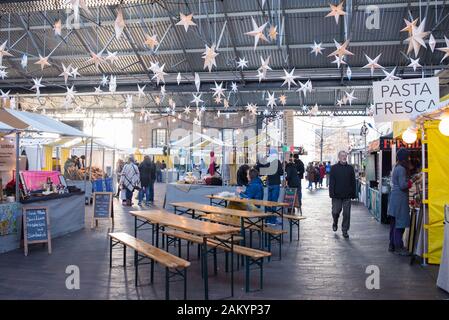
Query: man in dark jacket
[
  {"x": 301, "y": 169},
  {"x": 147, "y": 170},
  {"x": 342, "y": 188}
]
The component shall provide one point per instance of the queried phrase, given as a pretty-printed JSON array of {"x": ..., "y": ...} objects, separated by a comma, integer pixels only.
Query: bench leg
[
  {"x": 226, "y": 262},
  {"x": 291, "y": 229},
  {"x": 136, "y": 267},
  {"x": 185, "y": 283},
  {"x": 188, "y": 250},
  {"x": 280, "y": 247},
  {"x": 199, "y": 251},
  {"x": 157, "y": 235},
  {"x": 298, "y": 228},
  {"x": 269, "y": 248},
  {"x": 215, "y": 261},
  {"x": 179, "y": 247},
  {"x": 163, "y": 239},
  {"x": 205, "y": 271},
  {"x": 110, "y": 252},
  {"x": 247, "y": 274},
  {"x": 250, "y": 238},
  {"x": 152, "y": 271},
  {"x": 167, "y": 284},
  {"x": 124, "y": 256},
  {"x": 261, "y": 274}
]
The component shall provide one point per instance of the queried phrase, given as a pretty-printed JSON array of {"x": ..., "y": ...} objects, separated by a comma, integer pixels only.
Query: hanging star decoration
[
  {"x": 119, "y": 24},
  {"x": 4, "y": 52},
  {"x": 178, "y": 78},
  {"x": 409, "y": 25},
  {"x": 373, "y": 64},
  {"x": 187, "y": 110},
  {"x": 66, "y": 72},
  {"x": 414, "y": 64},
  {"x": 209, "y": 57},
  {"x": 70, "y": 94},
  {"x": 217, "y": 99},
  {"x": 225, "y": 103},
  {"x": 154, "y": 66},
  {"x": 314, "y": 111},
  {"x": 104, "y": 80},
  {"x": 140, "y": 91},
  {"x": 416, "y": 39},
  {"x": 336, "y": 11},
  {"x": 151, "y": 41},
  {"x": 283, "y": 100},
  {"x": 317, "y": 48},
  {"x": 112, "y": 57},
  {"x": 264, "y": 66},
  {"x": 98, "y": 90},
  {"x": 289, "y": 78},
  {"x": 163, "y": 91},
  {"x": 260, "y": 75},
  {"x": 75, "y": 73},
  {"x": 432, "y": 43},
  {"x": 251, "y": 108},
  {"x": 37, "y": 85},
  {"x": 339, "y": 102},
  {"x": 24, "y": 61},
  {"x": 197, "y": 82},
  {"x": 4, "y": 95},
  {"x": 157, "y": 100},
  {"x": 57, "y": 27},
  {"x": 272, "y": 33},
  {"x": 390, "y": 76},
  {"x": 257, "y": 32},
  {"x": 350, "y": 97},
  {"x": 218, "y": 90},
  {"x": 349, "y": 73},
  {"x": 3, "y": 72},
  {"x": 445, "y": 49},
  {"x": 113, "y": 84},
  {"x": 43, "y": 62},
  {"x": 159, "y": 75},
  {"x": 339, "y": 61},
  {"x": 76, "y": 4},
  {"x": 96, "y": 58},
  {"x": 186, "y": 21},
  {"x": 305, "y": 108},
  {"x": 242, "y": 63},
  {"x": 128, "y": 103},
  {"x": 271, "y": 100},
  {"x": 234, "y": 87},
  {"x": 197, "y": 99},
  {"x": 342, "y": 49},
  {"x": 302, "y": 88}
]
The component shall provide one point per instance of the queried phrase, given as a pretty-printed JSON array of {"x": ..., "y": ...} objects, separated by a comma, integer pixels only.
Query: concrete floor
[{"x": 322, "y": 265}]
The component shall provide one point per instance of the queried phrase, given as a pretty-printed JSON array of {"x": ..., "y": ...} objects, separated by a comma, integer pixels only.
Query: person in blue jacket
[{"x": 254, "y": 190}]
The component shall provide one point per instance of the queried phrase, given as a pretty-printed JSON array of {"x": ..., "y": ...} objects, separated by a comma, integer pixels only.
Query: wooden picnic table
[
  {"x": 255, "y": 202},
  {"x": 204, "y": 229},
  {"x": 248, "y": 219}
]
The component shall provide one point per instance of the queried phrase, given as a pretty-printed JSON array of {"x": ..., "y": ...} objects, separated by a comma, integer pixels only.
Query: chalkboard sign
[
  {"x": 102, "y": 205},
  {"x": 290, "y": 197},
  {"x": 36, "y": 227}
]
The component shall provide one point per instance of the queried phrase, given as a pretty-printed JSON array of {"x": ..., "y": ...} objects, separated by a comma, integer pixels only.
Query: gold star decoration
[
  {"x": 272, "y": 33},
  {"x": 283, "y": 99},
  {"x": 43, "y": 62},
  {"x": 336, "y": 11},
  {"x": 341, "y": 49},
  {"x": 96, "y": 58},
  {"x": 409, "y": 26},
  {"x": 209, "y": 57},
  {"x": 217, "y": 99},
  {"x": 186, "y": 21},
  {"x": 151, "y": 41}
]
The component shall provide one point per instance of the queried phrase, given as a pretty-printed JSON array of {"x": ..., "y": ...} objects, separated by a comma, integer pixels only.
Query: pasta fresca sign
[{"x": 399, "y": 100}]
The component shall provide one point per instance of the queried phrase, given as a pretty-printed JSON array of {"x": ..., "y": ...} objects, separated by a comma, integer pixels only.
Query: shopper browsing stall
[
  {"x": 130, "y": 179},
  {"x": 147, "y": 170}
]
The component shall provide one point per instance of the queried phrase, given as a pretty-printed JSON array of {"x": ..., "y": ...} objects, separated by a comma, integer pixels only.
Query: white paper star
[
  {"x": 141, "y": 91},
  {"x": 302, "y": 88},
  {"x": 260, "y": 75},
  {"x": 226, "y": 104},
  {"x": 37, "y": 85},
  {"x": 24, "y": 61},
  {"x": 66, "y": 72},
  {"x": 336, "y": 11},
  {"x": 75, "y": 72},
  {"x": 197, "y": 82},
  {"x": 271, "y": 100},
  {"x": 163, "y": 91},
  {"x": 251, "y": 108},
  {"x": 414, "y": 64},
  {"x": 43, "y": 62},
  {"x": 98, "y": 90},
  {"x": 187, "y": 110},
  {"x": 289, "y": 78},
  {"x": 339, "y": 61},
  {"x": 432, "y": 43},
  {"x": 178, "y": 78},
  {"x": 113, "y": 84},
  {"x": 257, "y": 32},
  {"x": 217, "y": 99},
  {"x": 112, "y": 57},
  {"x": 315, "y": 109},
  {"x": 159, "y": 75},
  {"x": 3, "y": 73},
  {"x": 341, "y": 49},
  {"x": 119, "y": 24},
  {"x": 390, "y": 76},
  {"x": 445, "y": 49},
  {"x": 197, "y": 99},
  {"x": 151, "y": 41},
  {"x": 234, "y": 87},
  {"x": 70, "y": 94},
  {"x": 317, "y": 48},
  {"x": 416, "y": 39},
  {"x": 104, "y": 80},
  {"x": 264, "y": 66},
  {"x": 154, "y": 66},
  {"x": 185, "y": 21},
  {"x": 218, "y": 90},
  {"x": 349, "y": 73},
  {"x": 350, "y": 97},
  {"x": 209, "y": 56},
  {"x": 409, "y": 26},
  {"x": 372, "y": 64},
  {"x": 339, "y": 103},
  {"x": 242, "y": 63},
  {"x": 96, "y": 58},
  {"x": 4, "y": 95}
]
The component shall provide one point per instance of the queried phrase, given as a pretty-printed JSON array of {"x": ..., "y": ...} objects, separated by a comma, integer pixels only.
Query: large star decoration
[
  {"x": 289, "y": 78},
  {"x": 96, "y": 58},
  {"x": 409, "y": 25},
  {"x": 70, "y": 94},
  {"x": 159, "y": 75},
  {"x": 185, "y": 21},
  {"x": 141, "y": 91},
  {"x": 4, "y": 95},
  {"x": 218, "y": 90},
  {"x": 350, "y": 97},
  {"x": 75, "y": 73},
  {"x": 251, "y": 108},
  {"x": 234, "y": 87},
  {"x": 242, "y": 63},
  {"x": 336, "y": 11},
  {"x": 66, "y": 72},
  {"x": 317, "y": 48},
  {"x": 271, "y": 100},
  {"x": 43, "y": 62},
  {"x": 37, "y": 85},
  {"x": 209, "y": 56},
  {"x": 257, "y": 32},
  {"x": 264, "y": 66},
  {"x": 119, "y": 24},
  {"x": 339, "y": 61},
  {"x": 341, "y": 49},
  {"x": 390, "y": 76},
  {"x": 151, "y": 41},
  {"x": 416, "y": 39},
  {"x": 197, "y": 99},
  {"x": 414, "y": 64},
  {"x": 445, "y": 49},
  {"x": 372, "y": 64},
  {"x": 112, "y": 57}
]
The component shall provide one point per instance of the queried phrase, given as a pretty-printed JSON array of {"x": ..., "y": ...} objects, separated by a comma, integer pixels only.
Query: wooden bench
[
  {"x": 253, "y": 256},
  {"x": 143, "y": 250},
  {"x": 293, "y": 220}
]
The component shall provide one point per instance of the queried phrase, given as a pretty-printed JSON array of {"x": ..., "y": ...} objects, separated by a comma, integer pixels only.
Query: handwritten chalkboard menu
[
  {"x": 102, "y": 205},
  {"x": 290, "y": 196},
  {"x": 36, "y": 227}
]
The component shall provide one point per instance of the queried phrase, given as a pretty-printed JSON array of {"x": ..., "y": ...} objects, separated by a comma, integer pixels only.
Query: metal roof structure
[{"x": 28, "y": 28}]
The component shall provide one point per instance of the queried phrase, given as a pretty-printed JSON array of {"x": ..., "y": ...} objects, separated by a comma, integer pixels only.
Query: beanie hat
[{"x": 402, "y": 154}]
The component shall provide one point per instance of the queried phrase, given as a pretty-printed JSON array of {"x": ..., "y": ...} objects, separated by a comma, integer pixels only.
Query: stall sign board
[
  {"x": 399, "y": 100},
  {"x": 290, "y": 197},
  {"x": 7, "y": 155},
  {"x": 102, "y": 204},
  {"x": 36, "y": 227}
]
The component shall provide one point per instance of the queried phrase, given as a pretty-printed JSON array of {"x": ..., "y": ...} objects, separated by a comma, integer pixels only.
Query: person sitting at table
[
  {"x": 254, "y": 190},
  {"x": 242, "y": 175}
]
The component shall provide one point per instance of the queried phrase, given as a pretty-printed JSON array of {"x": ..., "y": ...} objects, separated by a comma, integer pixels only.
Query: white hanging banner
[{"x": 399, "y": 100}]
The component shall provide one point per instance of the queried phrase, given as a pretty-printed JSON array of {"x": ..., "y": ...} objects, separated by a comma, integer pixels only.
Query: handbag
[{"x": 123, "y": 194}]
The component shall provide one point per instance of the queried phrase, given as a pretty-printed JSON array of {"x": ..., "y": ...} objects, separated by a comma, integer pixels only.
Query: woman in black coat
[{"x": 147, "y": 170}]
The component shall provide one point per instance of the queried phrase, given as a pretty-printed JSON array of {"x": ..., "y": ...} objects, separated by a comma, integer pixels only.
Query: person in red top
[{"x": 322, "y": 174}]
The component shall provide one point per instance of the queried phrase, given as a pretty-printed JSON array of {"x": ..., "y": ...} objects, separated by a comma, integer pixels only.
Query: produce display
[{"x": 74, "y": 173}]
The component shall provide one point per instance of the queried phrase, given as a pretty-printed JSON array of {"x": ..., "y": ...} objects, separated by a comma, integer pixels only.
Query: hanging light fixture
[
  {"x": 444, "y": 124},
  {"x": 410, "y": 135}
]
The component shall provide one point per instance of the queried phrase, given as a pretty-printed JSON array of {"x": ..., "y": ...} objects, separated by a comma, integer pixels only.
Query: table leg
[
  {"x": 135, "y": 227},
  {"x": 232, "y": 265},
  {"x": 205, "y": 273},
  {"x": 242, "y": 231},
  {"x": 157, "y": 235}
]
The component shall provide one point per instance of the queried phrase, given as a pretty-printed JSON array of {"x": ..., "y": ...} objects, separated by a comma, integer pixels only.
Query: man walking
[
  {"x": 300, "y": 169},
  {"x": 342, "y": 188}
]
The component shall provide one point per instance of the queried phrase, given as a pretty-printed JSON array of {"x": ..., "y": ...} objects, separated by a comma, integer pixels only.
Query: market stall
[{"x": 35, "y": 188}]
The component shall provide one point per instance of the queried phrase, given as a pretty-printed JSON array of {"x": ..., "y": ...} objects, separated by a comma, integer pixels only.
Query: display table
[
  {"x": 172, "y": 175},
  {"x": 86, "y": 187},
  {"x": 10, "y": 226}
]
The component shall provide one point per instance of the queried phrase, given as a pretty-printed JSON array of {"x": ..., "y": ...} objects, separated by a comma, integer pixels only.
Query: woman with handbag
[{"x": 130, "y": 179}]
